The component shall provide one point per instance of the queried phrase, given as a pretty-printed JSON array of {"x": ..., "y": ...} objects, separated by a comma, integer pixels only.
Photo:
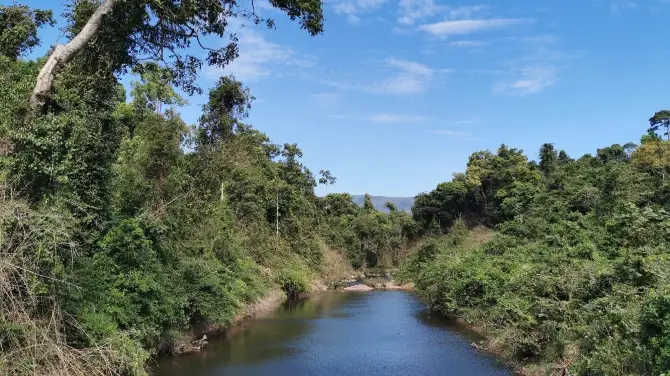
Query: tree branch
[{"x": 62, "y": 55}]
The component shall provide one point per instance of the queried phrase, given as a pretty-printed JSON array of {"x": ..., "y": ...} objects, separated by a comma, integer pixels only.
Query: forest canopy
[{"x": 124, "y": 230}]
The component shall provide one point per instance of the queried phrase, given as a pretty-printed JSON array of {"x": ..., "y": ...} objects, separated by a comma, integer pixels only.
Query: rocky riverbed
[{"x": 369, "y": 282}]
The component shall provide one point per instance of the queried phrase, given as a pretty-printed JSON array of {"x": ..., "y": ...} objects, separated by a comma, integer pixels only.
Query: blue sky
[{"x": 396, "y": 94}]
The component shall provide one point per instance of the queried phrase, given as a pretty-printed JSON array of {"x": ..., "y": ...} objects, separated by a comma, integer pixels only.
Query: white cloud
[
  {"x": 401, "y": 84},
  {"x": 461, "y": 122},
  {"x": 429, "y": 51},
  {"x": 410, "y": 11},
  {"x": 339, "y": 116},
  {"x": 616, "y": 7},
  {"x": 536, "y": 69},
  {"x": 394, "y": 118},
  {"x": 448, "y": 132},
  {"x": 411, "y": 67},
  {"x": 466, "y": 43},
  {"x": 395, "y": 77},
  {"x": 353, "y": 19},
  {"x": 326, "y": 99},
  {"x": 529, "y": 80},
  {"x": 354, "y": 8},
  {"x": 258, "y": 57},
  {"x": 409, "y": 77},
  {"x": 468, "y": 26},
  {"x": 465, "y": 12}
]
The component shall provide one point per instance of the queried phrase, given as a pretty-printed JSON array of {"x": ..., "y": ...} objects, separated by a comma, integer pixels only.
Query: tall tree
[
  {"x": 660, "y": 120},
  {"x": 368, "y": 206},
  {"x": 229, "y": 103},
  {"x": 160, "y": 31},
  {"x": 18, "y": 29},
  {"x": 326, "y": 178},
  {"x": 548, "y": 159}
]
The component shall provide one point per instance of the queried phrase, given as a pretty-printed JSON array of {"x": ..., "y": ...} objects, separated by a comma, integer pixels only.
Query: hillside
[{"x": 403, "y": 203}]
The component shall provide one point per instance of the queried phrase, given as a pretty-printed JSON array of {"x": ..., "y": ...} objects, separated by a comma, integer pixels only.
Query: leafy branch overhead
[{"x": 127, "y": 33}]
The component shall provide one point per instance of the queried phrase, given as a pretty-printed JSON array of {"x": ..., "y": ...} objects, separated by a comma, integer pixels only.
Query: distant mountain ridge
[{"x": 402, "y": 203}]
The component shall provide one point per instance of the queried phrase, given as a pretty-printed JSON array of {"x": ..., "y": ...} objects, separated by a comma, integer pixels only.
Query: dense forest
[
  {"x": 563, "y": 262},
  {"x": 126, "y": 232}
]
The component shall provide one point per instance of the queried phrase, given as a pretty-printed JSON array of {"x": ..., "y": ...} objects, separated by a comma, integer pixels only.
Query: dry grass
[
  {"x": 32, "y": 324},
  {"x": 479, "y": 236},
  {"x": 335, "y": 265}
]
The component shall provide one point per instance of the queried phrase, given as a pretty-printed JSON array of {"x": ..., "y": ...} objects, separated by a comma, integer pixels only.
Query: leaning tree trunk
[{"x": 62, "y": 55}]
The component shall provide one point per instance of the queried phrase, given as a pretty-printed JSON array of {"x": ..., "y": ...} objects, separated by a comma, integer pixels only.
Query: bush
[
  {"x": 294, "y": 282},
  {"x": 655, "y": 331}
]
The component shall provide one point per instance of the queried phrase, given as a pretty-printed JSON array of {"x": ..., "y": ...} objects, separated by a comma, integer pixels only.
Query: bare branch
[{"x": 62, "y": 55}]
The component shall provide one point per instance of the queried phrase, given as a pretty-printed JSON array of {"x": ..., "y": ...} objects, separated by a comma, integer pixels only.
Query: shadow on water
[
  {"x": 436, "y": 320},
  {"x": 341, "y": 334},
  {"x": 260, "y": 340}
]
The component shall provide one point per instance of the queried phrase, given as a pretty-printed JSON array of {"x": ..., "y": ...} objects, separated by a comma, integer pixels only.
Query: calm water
[{"x": 379, "y": 333}]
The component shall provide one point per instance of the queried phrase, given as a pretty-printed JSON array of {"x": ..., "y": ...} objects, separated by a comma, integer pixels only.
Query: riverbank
[
  {"x": 448, "y": 281},
  {"x": 378, "y": 333},
  {"x": 195, "y": 341},
  {"x": 495, "y": 347},
  {"x": 391, "y": 286}
]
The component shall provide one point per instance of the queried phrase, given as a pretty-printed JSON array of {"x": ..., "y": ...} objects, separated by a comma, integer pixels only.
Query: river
[{"x": 378, "y": 333}]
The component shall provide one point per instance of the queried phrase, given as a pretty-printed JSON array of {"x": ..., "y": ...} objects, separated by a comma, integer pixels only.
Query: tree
[
  {"x": 660, "y": 120},
  {"x": 154, "y": 89},
  {"x": 340, "y": 204},
  {"x": 391, "y": 207},
  {"x": 18, "y": 29},
  {"x": 326, "y": 178},
  {"x": 229, "y": 103},
  {"x": 368, "y": 206},
  {"x": 563, "y": 157},
  {"x": 653, "y": 156},
  {"x": 133, "y": 31},
  {"x": 548, "y": 159}
]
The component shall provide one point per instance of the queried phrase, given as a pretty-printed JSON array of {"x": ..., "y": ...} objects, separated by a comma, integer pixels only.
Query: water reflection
[
  {"x": 373, "y": 333},
  {"x": 438, "y": 321}
]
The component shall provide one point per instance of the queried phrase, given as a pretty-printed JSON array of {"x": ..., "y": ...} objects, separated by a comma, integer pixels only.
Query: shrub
[{"x": 294, "y": 282}]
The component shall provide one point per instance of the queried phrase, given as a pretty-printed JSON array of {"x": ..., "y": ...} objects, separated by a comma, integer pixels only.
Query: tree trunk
[{"x": 62, "y": 55}]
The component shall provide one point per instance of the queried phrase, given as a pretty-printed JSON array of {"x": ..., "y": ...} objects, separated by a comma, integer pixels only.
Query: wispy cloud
[
  {"x": 326, "y": 99},
  {"x": 456, "y": 20},
  {"x": 468, "y": 26},
  {"x": 530, "y": 79},
  {"x": 352, "y": 9},
  {"x": 340, "y": 116},
  {"x": 258, "y": 57},
  {"x": 536, "y": 69},
  {"x": 411, "y": 11},
  {"x": 461, "y": 122},
  {"x": 452, "y": 133},
  {"x": 394, "y": 76},
  {"x": 619, "y": 6},
  {"x": 409, "y": 77},
  {"x": 395, "y": 118},
  {"x": 467, "y": 43}
]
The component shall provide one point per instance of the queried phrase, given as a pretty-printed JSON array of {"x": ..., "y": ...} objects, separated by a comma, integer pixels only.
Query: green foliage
[
  {"x": 18, "y": 29},
  {"x": 655, "y": 331},
  {"x": 129, "y": 35},
  {"x": 367, "y": 235},
  {"x": 294, "y": 282},
  {"x": 576, "y": 274},
  {"x": 661, "y": 119},
  {"x": 166, "y": 239},
  {"x": 494, "y": 188}
]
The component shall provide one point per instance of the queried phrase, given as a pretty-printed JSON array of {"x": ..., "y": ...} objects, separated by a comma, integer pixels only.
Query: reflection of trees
[
  {"x": 262, "y": 340},
  {"x": 322, "y": 305},
  {"x": 436, "y": 320}
]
